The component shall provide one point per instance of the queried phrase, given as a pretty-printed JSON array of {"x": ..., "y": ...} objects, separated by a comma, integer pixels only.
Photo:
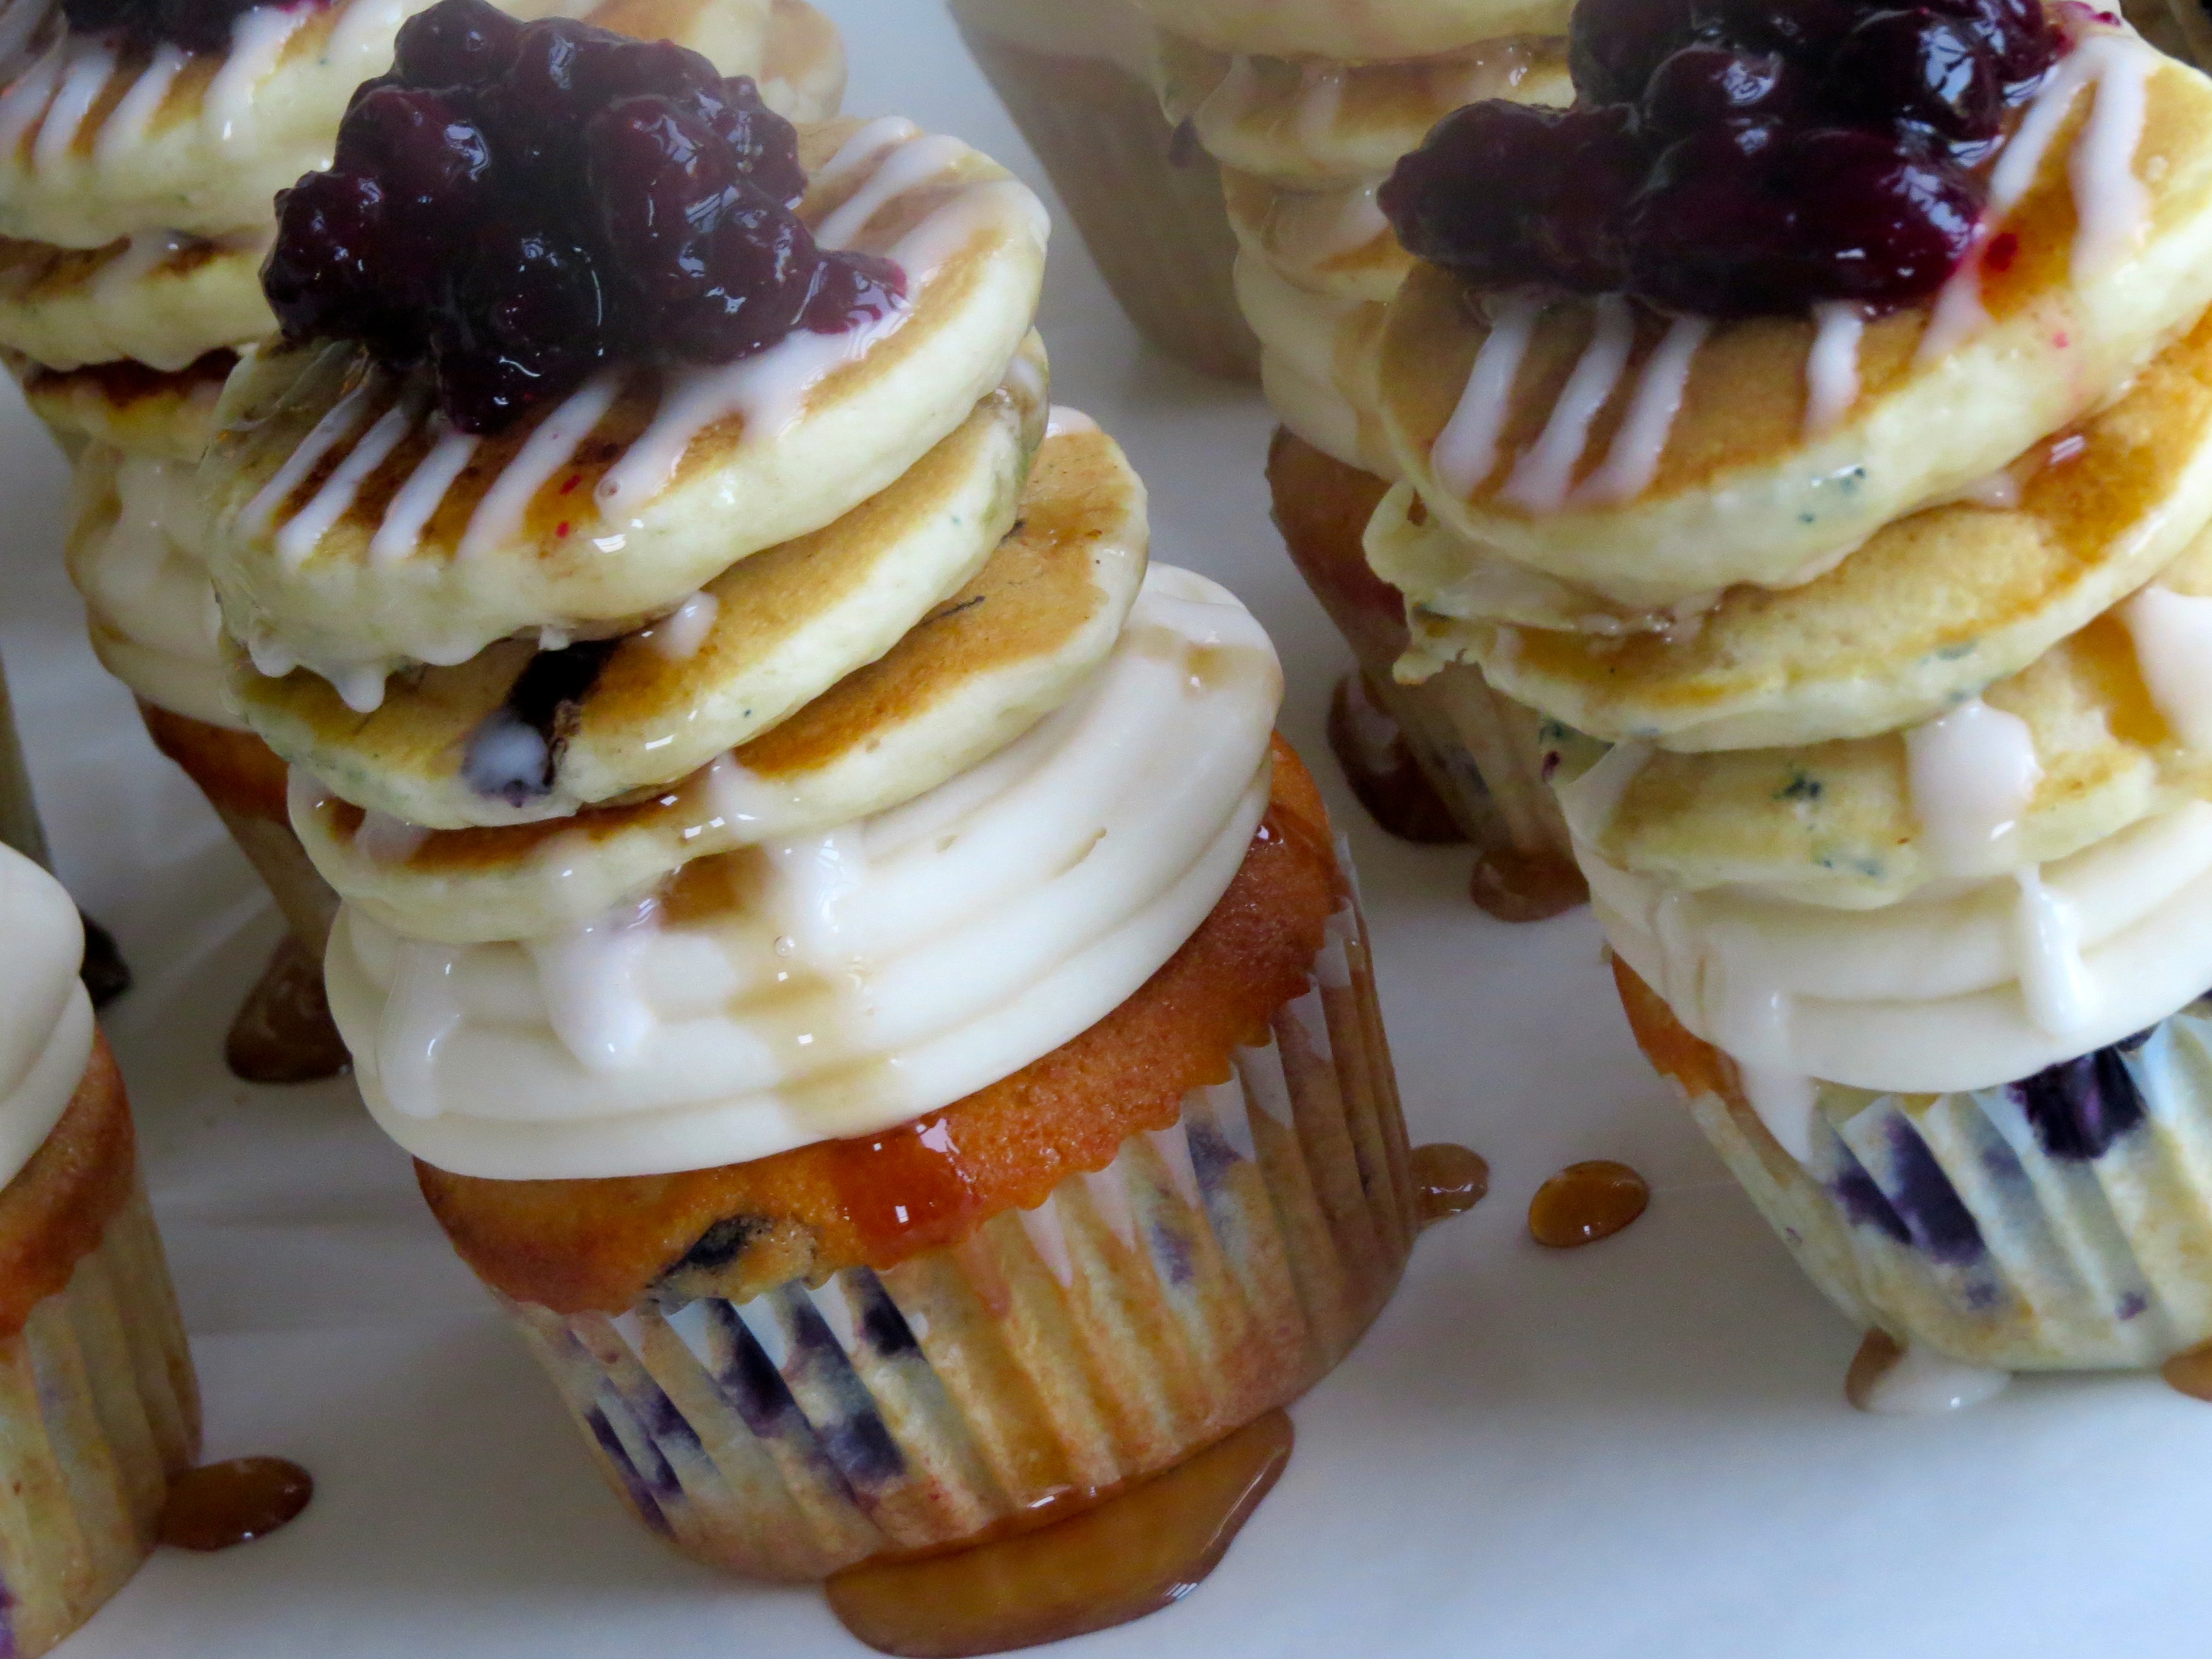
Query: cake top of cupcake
[
  {"x": 1732, "y": 159},
  {"x": 515, "y": 204}
]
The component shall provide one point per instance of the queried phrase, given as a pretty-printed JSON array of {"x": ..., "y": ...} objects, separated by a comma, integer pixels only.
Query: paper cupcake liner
[
  {"x": 98, "y": 1410},
  {"x": 2059, "y": 1223},
  {"x": 1150, "y": 209},
  {"x": 1214, "y": 1270}
]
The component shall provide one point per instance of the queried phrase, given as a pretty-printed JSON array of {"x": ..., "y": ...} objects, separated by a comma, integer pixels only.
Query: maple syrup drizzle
[
  {"x": 1516, "y": 886},
  {"x": 218, "y": 1506},
  {"x": 1449, "y": 1181},
  {"x": 2190, "y": 1373},
  {"x": 1585, "y": 1202},
  {"x": 284, "y": 1032},
  {"x": 1380, "y": 767},
  {"x": 1141, "y": 1550},
  {"x": 905, "y": 1189}
]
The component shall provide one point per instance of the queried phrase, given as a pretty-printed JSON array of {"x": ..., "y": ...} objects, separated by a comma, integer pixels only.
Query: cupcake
[
  {"x": 1077, "y": 76},
  {"x": 100, "y": 1406},
  {"x": 861, "y": 984},
  {"x": 1883, "y": 568},
  {"x": 142, "y": 148},
  {"x": 1307, "y": 108}
]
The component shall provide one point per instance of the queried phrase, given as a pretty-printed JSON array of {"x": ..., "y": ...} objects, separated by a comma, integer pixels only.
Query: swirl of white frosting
[
  {"x": 855, "y": 979},
  {"x": 1964, "y": 985},
  {"x": 45, "y": 1018},
  {"x": 134, "y": 554}
]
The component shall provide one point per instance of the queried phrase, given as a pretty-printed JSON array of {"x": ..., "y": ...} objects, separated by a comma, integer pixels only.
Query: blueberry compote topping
[
  {"x": 195, "y": 25},
  {"x": 1735, "y": 158},
  {"x": 516, "y": 204}
]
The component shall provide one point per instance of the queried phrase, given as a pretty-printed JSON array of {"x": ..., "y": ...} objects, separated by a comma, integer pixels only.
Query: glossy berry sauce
[
  {"x": 1736, "y": 158},
  {"x": 517, "y": 204},
  {"x": 195, "y": 25}
]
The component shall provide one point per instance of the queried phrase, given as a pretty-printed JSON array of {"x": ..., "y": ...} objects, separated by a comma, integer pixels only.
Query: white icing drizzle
[
  {"x": 304, "y": 532},
  {"x": 1544, "y": 474},
  {"x": 1321, "y": 99},
  {"x": 1999, "y": 491},
  {"x": 27, "y": 97},
  {"x": 1633, "y": 459},
  {"x": 142, "y": 256},
  {"x": 914, "y": 163},
  {"x": 862, "y": 148},
  {"x": 2173, "y": 636},
  {"x": 2053, "y": 978},
  {"x": 127, "y": 123},
  {"x": 1922, "y": 1383},
  {"x": 546, "y": 452},
  {"x": 325, "y": 435},
  {"x": 1786, "y": 1102},
  {"x": 678, "y": 635},
  {"x": 1228, "y": 102},
  {"x": 258, "y": 40},
  {"x": 381, "y": 838},
  {"x": 1973, "y": 772},
  {"x": 589, "y": 978},
  {"x": 2110, "y": 202},
  {"x": 1591, "y": 800},
  {"x": 1831, "y": 369},
  {"x": 1466, "y": 451},
  {"x": 91, "y": 65},
  {"x": 415, "y": 501}
]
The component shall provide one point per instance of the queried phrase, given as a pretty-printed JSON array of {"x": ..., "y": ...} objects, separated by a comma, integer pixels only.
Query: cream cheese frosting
[
  {"x": 45, "y": 1018},
  {"x": 854, "y": 980}
]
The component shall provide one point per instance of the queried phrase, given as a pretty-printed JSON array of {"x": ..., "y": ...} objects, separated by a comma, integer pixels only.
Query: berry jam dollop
[
  {"x": 515, "y": 205},
  {"x": 1736, "y": 158},
  {"x": 195, "y": 25}
]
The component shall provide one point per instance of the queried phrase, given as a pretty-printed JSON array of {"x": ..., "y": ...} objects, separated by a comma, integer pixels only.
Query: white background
[{"x": 1640, "y": 1449}]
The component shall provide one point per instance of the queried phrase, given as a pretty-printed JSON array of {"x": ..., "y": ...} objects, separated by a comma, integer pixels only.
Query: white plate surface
[{"x": 1639, "y": 1448}]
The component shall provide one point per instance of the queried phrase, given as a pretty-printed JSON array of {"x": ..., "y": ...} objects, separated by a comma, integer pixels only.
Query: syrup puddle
[
  {"x": 1585, "y": 1202},
  {"x": 2190, "y": 1373},
  {"x": 218, "y": 1506},
  {"x": 1516, "y": 886},
  {"x": 1370, "y": 747},
  {"x": 1140, "y": 1550},
  {"x": 285, "y": 1033},
  {"x": 1448, "y": 1180}
]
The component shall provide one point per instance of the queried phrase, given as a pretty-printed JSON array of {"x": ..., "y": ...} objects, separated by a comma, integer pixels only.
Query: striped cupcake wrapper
[
  {"x": 1216, "y": 1268},
  {"x": 98, "y": 1409},
  {"x": 2058, "y": 1223}
]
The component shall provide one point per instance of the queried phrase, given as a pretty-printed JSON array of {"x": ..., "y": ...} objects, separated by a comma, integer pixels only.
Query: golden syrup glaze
[
  {"x": 219, "y": 1506},
  {"x": 1385, "y": 777},
  {"x": 1586, "y": 1202},
  {"x": 2190, "y": 1372},
  {"x": 1100, "y": 1559},
  {"x": 574, "y": 1246},
  {"x": 1450, "y": 1180},
  {"x": 283, "y": 1032}
]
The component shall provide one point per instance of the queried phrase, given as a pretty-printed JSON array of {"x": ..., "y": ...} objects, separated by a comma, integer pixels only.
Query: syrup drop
[
  {"x": 285, "y": 1033},
  {"x": 220, "y": 1505},
  {"x": 1516, "y": 886},
  {"x": 2190, "y": 1373},
  {"x": 1142, "y": 1550},
  {"x": 1585, "y": 1202},
  {"x": 1379, "y": 765},
  {"x": 1450, "y": 1180}
]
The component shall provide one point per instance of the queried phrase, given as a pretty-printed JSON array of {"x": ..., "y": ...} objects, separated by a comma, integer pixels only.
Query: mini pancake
[
  {"x": 1331, "y": 242},
  {"x": 977, "y": 673},
  {"x": 127, "y": 406},
  {"x": 200, "y": 142},
  {"x": 1306, "y": 125},
  {"x": 1740, "y": 492},
  {"x": 163, "y": 302},
  {"x": 1833, "y": 823},
  {"x": 1935, "y": 607},
  {"x": 1317, "y": 364},
  {"x": 351, "y": 529},
  {"x": 1354, "y": 31},
  {"x": 767, "y": 635}
]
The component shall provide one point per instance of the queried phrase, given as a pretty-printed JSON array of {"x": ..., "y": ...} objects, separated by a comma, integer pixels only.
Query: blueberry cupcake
[
  {"x": 1077, "y": 76},
  {"x": 140, "y": 147},
  {"x": 1880, "y": 561},
  {"x": 860, "y": 982},
  {"x": 1306, "y": 109},
  {"x": 98, "y": 1405}
]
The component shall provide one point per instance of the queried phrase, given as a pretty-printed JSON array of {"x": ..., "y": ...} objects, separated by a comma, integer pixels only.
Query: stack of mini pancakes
[
  {"x": 1307, "y": 108},
  {"x": 1901, "y": 626},
  {"x": 136, "y": 185}
]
